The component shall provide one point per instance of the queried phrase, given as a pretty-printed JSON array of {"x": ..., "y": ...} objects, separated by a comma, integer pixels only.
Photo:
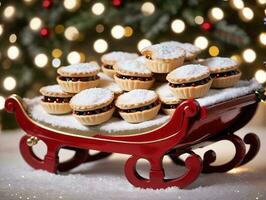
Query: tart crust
[
  {"x": 128, "y": 85},
  {"x": 95, "y": 119},
  {"x": 225, "y": 82},
  {"x": 108, "y": 72},
  {"x": 164, "y": 66},
  {"x": 76, "y": 87},
  {"x": 141, "y": 116},
  {"x": 191, "y": 92},
  {"x": 56, "y": 108}
]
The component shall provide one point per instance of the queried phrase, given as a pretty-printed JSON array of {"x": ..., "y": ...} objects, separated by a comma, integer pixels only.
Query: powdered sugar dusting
[
  {"x": 92, "y": 96},
  {"x": 109, "y": 83},
  {"x": 119, "y": 126},
  {"x": 189, "y": 48},
  {"x": 81, "y": 67},
  {"x": 137, "y": 96},
  {"x": 134, "y": 66},
  {"x": 165, "y": 51},
  {"x": 119, "y": 56},
  {"x": 53, "y": 88},
  {"x": 189, "y": 71},
  {"x": 165, "y": 93},
  {"x": 218, "y": 62}
]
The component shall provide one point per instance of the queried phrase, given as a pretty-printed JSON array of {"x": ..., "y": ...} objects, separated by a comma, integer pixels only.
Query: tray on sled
[{"x": 190, "y": 127}]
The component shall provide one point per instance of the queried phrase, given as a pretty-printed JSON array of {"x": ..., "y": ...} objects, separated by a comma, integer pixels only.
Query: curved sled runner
[{"x": 190, "y": 127}]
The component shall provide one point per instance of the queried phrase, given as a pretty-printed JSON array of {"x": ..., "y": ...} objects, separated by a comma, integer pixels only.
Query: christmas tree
[{"x": 39, "y": 36}]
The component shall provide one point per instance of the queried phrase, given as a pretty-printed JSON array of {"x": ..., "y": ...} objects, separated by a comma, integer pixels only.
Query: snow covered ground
[{"x": 105, "y": 179}]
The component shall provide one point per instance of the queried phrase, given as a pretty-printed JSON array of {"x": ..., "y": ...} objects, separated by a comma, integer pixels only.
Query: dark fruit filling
[
  {"x": 56, "y": 99},
  {"x": 108, "y": 66},
  {"x": 148, "y": 57},
  {"x": 170, "y": 106},
  {"x": 134, "y": 77},
  {"x": 82, "y": 79},
  {"x": 132, "y": 110},
  {"x": 93, "y": 112},
  {"x": 191, "y": 84},
  {"x": 225, "y": 74}
]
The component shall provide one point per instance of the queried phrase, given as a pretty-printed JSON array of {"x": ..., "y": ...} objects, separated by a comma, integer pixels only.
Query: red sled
[{"x": 191, "y": 127}]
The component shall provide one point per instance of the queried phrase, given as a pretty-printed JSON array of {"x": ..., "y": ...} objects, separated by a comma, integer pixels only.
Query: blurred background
[{"x": 38, "y": 36}]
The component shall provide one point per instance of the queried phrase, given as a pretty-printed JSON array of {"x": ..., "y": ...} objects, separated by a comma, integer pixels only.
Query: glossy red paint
[{"x": 190, "y": 126}]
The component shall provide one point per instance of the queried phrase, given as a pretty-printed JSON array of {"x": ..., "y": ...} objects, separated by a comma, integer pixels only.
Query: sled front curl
[{"x": 190, "y": 127}]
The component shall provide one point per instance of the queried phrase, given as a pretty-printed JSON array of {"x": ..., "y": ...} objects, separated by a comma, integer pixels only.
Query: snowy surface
[
  {"x": 105, "y": 179},
  {"x": 188, "y": 72}
]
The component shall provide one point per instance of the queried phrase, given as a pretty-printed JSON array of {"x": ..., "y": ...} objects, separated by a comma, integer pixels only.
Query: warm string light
[
  {"x": 98, "y": 8},
  {"x": 201, "y": 42},
  {"x": 41, "y": 60},
  {"x": 1, "y": 29},
  {"x": 143, "y": 44},
  {"x": 73, "y": 57},
  {"x": 117, "y": 32},
  {"x": 237, "y": 4},
  {"x": 246, "y": 14},
  {"x": 128, "y": 31},
  {"x": 13, "y": 52},
  {"x": 99, "y": 28},
  {"x": 9, "y": 12},
  {"x": 2, "y": 102},
  {"x": 59, "y": 29},
  {"x": 71, "y": 33},
  {"x": 261, "y": 2},
  {"x": 249, "y": 55},
  {"x": 100, "y": 46},
  {"x": 56, "y": 62},
  {"x": 147, "y": 8},
  {"x": 9, "y": 83},
  {"x": 237, "y": 58},
  {"x": 35, "y": 23},
  {"x": 260, "y": 76},
  {"x": 56, "y": 53},
  {"x": 199, "y": 20},
  {"x": 178, "y": 26},
  {"x": 13, "y": 38},
  {"x": 262, "y": 38},
  {"x": 72, "y": 5},
  {"x": 216, "y": 14},
  {"x": 214, "y": 51}
]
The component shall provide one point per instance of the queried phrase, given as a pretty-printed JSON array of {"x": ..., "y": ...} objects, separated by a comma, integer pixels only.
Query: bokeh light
[
  {"x": 71, "y": 33},
  {"x": 178, "y": 26},
  {"x": 13, "y": 38},
  {"x": 56, "y": 62},
  {"x": 71, "y": 5},
  {"x": 99, "y": 28},
  {"x": 1, "y": 29},
  {"x": 73, "y": 57},
  {"x": 216, "y": 14},
  {"x": 246, "y": 14},
  {"x": 199, "y": 20},
  {"x": 201, "y": 42},
  {"x": 249, "y": 55},
  {"x": 97, "y": 8},
  {"x": 100, "y": 46},
  {"x": 9, "y": 83},
  {"x": 9, "y": 12},
  {"x": 41, "y": 60},
  {"x": 260, "y": 76},
  {"x": 35, "y": 23},
  {"x": 2, "y": 102},
  {"x": 262, "y": 38},
  {"x": 56, "y": 53},
  {"x": 13, "y": 52},
  {"x": 128, "y": 31},
  {"x": 214, "y": 51},
  {"x": 237, "y": 4},
  {"x": 117, "y": 32},
  {"x": 147, "y": 8},
  {"x": 143, "y": 44}
]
